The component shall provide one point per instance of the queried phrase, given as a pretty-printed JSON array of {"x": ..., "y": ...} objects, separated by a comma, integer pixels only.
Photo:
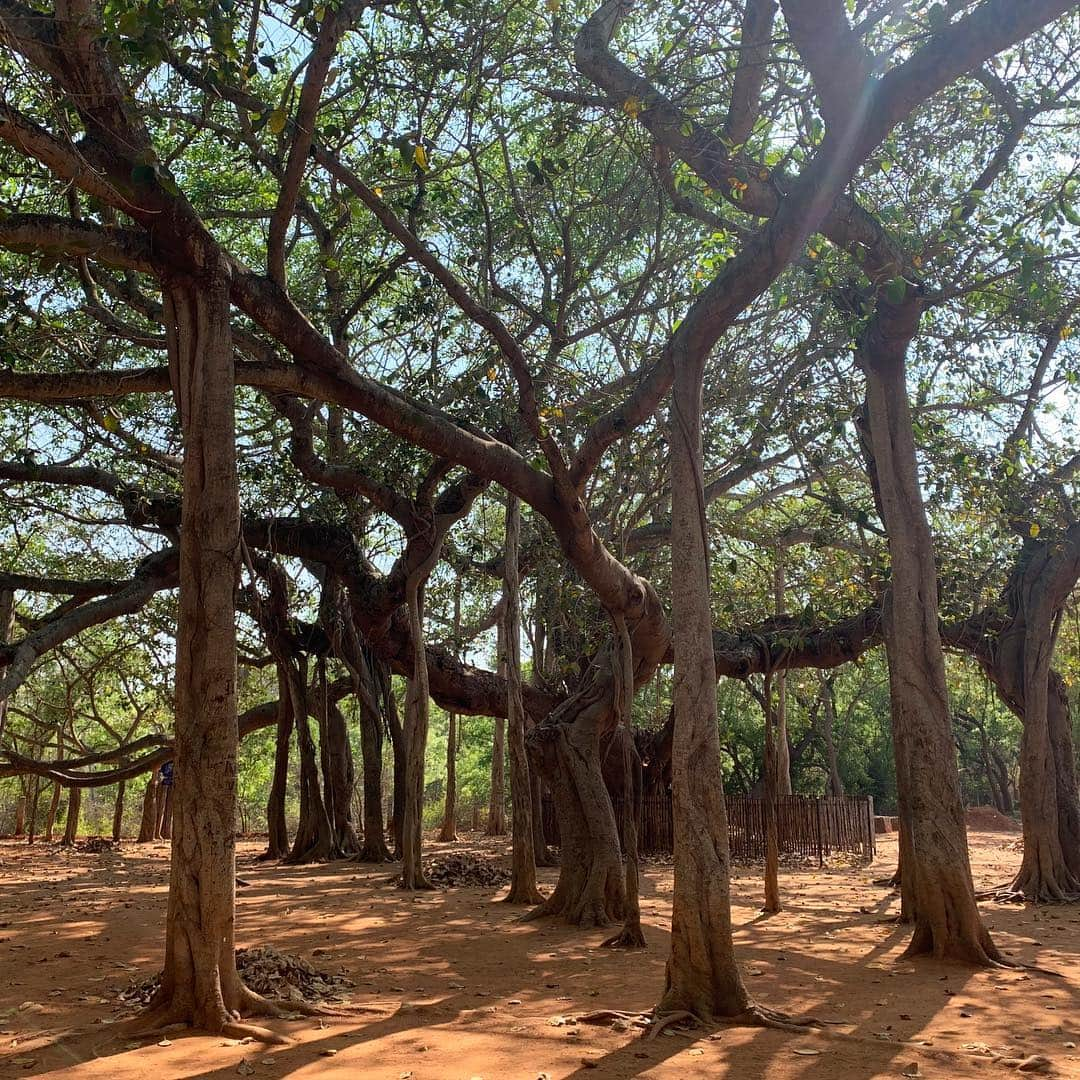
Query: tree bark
[
  {"x": 770, "y": 788},
  {"x": 936, "y": 868},
  {"x": 277, "y": 830},
  {"x": 781, "y": 743},
  {"x": 523, "y": 888},
  {"x": 54, "y": 804},
  {"x": 1018, "y": 663},
  {"x": 417, "y": 705},
  {"x": 374, "y": 847},
  {"x": 835, "y": 785},
  {"x": 448, "y": 831},
  {"x": 148, "y": 825},
  {"x": 71, "y": 821},
  {"x": 200, "y": 984},
  {"x": 339, "y": 779},
  {"x": 118, "y": 811},
  {"x": 702, "y": 977},
  {"x": 496, "y": 825}
]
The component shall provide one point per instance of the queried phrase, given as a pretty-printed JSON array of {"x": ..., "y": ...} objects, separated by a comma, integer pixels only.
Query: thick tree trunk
[
  {"x": 947, "y": 920},
  {"x": 20, "y": 816},
  {"x": 523, "y": 888},
  {"x": 118, "y": 812},
  {"x": 448, "y": 831},
  {"x": 702, "y": 977},
  {"x": 417, "y": 705},
  {"x": 277, "y": 846},
  {"x": 199, "y": 983},
  {"x": 71, "y": 821}
]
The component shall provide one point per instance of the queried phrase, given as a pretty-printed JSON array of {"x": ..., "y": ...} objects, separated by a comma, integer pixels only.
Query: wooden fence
[{"x": 806, "y": 826}]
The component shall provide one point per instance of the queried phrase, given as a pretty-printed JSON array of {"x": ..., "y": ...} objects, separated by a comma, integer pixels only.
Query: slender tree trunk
[
  {"x": 200, "y": 984},
  {"x": 7, "y": 625},
  {"x": 702, "y": 977},
  {"x": 71, "y": 822},
  {"x": 770, "y": 777},
  {"x": 277, "y": 846},
  {"x": 118, "y": 812},
  {"x": 20, "y": 816},
  {"x": 167, "y": 808},
  {"x": 448, "y": 831},
  {"x": 314, "y": 840},
  {"x": 31, "y": 820},
  {"x": 340, "y": 779},
  {"x": 541, "y": 854},
  {"x": 496, "y": 825},
  {"x": 780, "y": 741},
  {"x": 54, "y": 805},
  {"x": 947, "y": 920},
  {"x": 374, "y": 848},
  {"x": 417, "y": 705},
  {"x": 523, "y": 888},
  {"x": 400, "y": 752},
  {"x": 148, "y": 826},
  {"x": 828, "y": 736}
]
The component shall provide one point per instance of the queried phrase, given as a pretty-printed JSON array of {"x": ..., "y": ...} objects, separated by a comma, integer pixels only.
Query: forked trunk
[{"x": 937, "y": 868}]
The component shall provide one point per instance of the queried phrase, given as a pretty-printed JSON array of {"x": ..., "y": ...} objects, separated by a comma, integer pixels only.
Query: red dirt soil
[{"x": 461, "y": 989}]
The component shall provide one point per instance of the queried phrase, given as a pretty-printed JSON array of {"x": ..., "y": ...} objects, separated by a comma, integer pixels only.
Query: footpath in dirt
[{"x": 457, "y": 988}]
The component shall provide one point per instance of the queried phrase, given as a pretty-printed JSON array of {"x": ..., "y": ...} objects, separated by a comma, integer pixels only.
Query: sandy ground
[{"x": 460, "y": 989}]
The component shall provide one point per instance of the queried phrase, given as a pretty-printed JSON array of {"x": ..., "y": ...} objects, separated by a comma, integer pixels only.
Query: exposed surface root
[
  {"x": 629, "y": 937},
  {"x": 659, "y": 1023},
  {"x": 759, "y": 1016}
]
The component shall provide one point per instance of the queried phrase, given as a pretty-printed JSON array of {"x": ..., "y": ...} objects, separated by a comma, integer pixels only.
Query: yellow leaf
[
  {"x": 917, "y": 260},
  {"x": 378, "y": 192},
  {"x": 1066, "y": 333},
  {"x": 1034, "y": 530},
  {"x": 420, "y": 157},
  {"x": 110, "y": 422},
  {"x": 553, "y": 5},
  {"x": 492, "y": 374},
  {"x": 276, "y": 123},
  {"x": 558, "y": 252},
  {"x": 632, "y": 107}
]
